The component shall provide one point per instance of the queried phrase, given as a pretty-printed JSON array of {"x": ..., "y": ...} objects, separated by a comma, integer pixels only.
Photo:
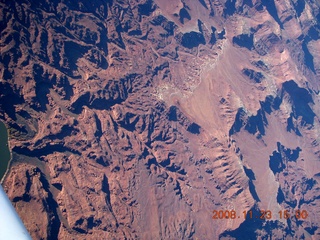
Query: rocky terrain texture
[{"x": 135, "y": 119}]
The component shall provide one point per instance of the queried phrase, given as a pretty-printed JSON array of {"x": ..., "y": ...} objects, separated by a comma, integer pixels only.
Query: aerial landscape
[{"x": 158, "y": 119}]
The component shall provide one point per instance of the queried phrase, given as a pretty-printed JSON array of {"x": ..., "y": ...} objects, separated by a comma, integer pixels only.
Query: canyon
[{"x": 137, "y": 119}]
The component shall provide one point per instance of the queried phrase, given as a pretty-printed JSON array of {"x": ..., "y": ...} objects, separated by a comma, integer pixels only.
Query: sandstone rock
[{"x": 138, "y": 119}]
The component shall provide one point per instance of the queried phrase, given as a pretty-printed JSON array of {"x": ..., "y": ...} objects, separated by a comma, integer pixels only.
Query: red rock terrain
[{"x": 138, "y": 119}]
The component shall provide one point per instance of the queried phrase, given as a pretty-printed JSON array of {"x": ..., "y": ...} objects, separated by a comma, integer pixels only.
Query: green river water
[{"x": 4, "y": 150}]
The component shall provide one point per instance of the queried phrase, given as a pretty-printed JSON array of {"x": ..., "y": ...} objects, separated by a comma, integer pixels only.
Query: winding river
[{"x": 4, "y": 150}]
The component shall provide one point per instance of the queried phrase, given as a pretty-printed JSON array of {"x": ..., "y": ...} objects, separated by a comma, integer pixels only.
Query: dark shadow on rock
[
  {"x": 301, "y": 98},
  {"x": 314, "y": 33},
  {"x": 253, "y": 75},
  {"x": 159, "y": 68},
  {"x": 192, "y": 39},
  {"x": 239, "y": 121},
  {"x": 115, "y": 92},
  {"x": 146, "y": 9},
  {"x": 276, "y": 162},
  {"x": 221, "y": 35},
  {"x": 308, "y": 58},
  {"x": 281, "y": 157},
  {"x": 299, "y": 6},
  {"x": 311, "y": 230},
  {"x": 98, "y": 132},
  {"x": 213, "y": 38},
  {"x": 265, "y": 44},
  {"x": 106, "y": 189},
  {"x": 271, "y": 8},
  {"x": 9, "y": 98},
  {"x": 172, "y": 114},
  {"x": 256, "y": 228},
  {"x": 46, "y": 150},
  {"x": 230, "y": 8},
  {"x": 244, "y": 40},
  {"x": 184, "y": 14},
  {"x": 292, "y": 126},
  {"x": 73, "y": 51},
  {"x": 43, "y": 83},
  {"x": 42, "y": 89},
  {"x": 57, "y": 186},
  {"x": 164, "y": 23},
  {"x": 248, "y": 3},
  {"x": 248, "y": 230},
  {"x": 260, "y": 64},
  {"x": 200, "y": 26},
  {"x": 255, "y": 124},
  {"x": 280, "y": 196},
  {"x": 194, "y": 128},
  {"x": 252, "y": 188},
  {"x": 203, "y": 3}
]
